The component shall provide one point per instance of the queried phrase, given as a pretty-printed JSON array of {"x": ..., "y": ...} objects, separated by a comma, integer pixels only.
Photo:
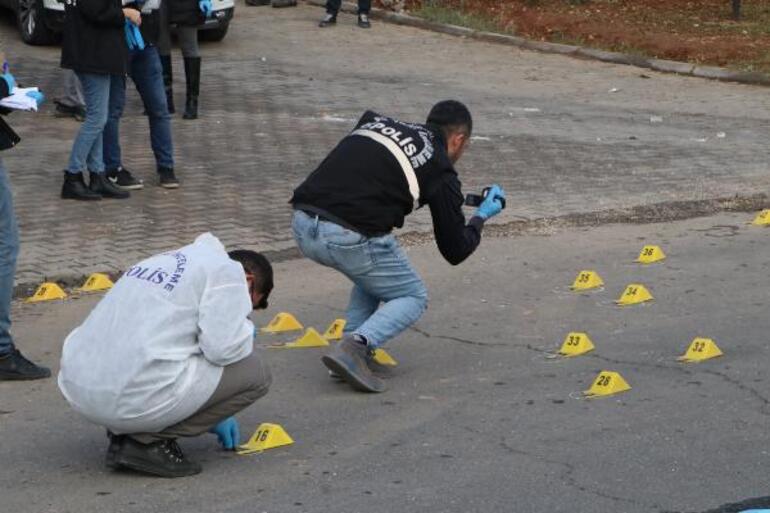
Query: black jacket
[
  {"x": 94, "y": 39},
  {"x": 185, "y": 12},
  {"x": 380, "y": 172}
]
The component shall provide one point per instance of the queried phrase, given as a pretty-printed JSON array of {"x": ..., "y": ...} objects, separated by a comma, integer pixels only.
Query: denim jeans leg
[
  {"x": 361, "y": 306},
  {"x": 85, "y": 151},
  {"x": 378, "y": 268},
  {"x": 112, "y": 155},
  {"x": 395, "y": 283},
  {"x": 147, "y": 74},
  {"x": 9, "y": 249}
]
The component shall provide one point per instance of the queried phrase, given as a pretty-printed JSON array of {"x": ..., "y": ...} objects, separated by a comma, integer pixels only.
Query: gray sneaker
[{"x": 348, "y": 359}]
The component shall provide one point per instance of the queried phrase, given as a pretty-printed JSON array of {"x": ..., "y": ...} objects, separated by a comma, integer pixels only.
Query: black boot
[
  {"x": 168, "y": 81},
  {"x": 192, "y": 73},
  {"x": 163, "y": 458},
  {"x": 116, "y": 442},
  {"x": 348, "y": 360},
  {"x": 14, "y": 366},
  {"x": 99, "y": 183},
  {"x": 74, "y": 187}
]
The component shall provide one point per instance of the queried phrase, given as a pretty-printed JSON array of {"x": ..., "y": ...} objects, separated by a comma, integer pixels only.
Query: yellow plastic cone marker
[
  {"x": 576, "y": 344},
  {"x": 282, "y": 322},
  {"x": 335, "y": 329},
  {"x": 383, "y": 358},
  {"x": 311, "y": 338},
  {"x": 607, "y": 383},
  {"x": 634, "y": 294},
  {"x": 650, "y": 255},
  {"x": 762, "y": 219},
  {"x": 47, "y": 292},
  {"x": 701, "y": 349},
  {"x": 587, "y": 280},
  {"x": 95, "y": 282},
  {"x": 267, "y": 436}
]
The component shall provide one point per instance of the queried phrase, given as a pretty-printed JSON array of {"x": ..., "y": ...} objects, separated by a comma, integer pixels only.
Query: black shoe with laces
[
  {"x": 14, "y": 367},
  {"x": 163, "y": 458},
  {"x": 363, "y": 21},
  {"x": 123, "y": 178},
  {"x": 167, "y": 179},
  {"x": 99, "y": 183},
  {"x": 328, "y": 20}
]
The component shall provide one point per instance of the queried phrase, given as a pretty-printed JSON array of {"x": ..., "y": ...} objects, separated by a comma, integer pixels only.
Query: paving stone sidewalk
[{"x": 560, "y": 134}]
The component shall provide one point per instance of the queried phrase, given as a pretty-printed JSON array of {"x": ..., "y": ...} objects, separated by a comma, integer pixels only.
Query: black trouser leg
[
  {"x": 192, "y": 71},
  {"x": 168, "y": 81}
]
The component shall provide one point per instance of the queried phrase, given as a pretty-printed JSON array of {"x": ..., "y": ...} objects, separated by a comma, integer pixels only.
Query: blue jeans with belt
[
  {"x": 380, "y": 272},
  {"x": 9, "y": 249}
]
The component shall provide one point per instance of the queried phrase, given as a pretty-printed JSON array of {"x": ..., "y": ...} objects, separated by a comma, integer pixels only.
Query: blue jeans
[
  {"x": 87, "y": 148},
  {"x": 145, "y": 70},
  {"x": 380, "y": 272},
  {"x": 9, "y": 249}
]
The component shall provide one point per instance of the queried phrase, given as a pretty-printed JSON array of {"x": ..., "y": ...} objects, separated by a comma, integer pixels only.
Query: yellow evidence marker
[
  {"x": 267, "y": 436},
  {"x": 48, "y": 291},
  {"x": 607, "y": 383},
  {"x": 311, "y": 338},
  {"x": 383, "y": 358},
  {"x": 587, "y": 280},
  {"x": 634, "y": 294},
  {"x": 762, "y": 219},
  {"x": 576, "y": 344},
  {"x": 335, "y": 330},
  {"x": 282, "y": 322},
  {"x": 96, "y": 282},
  {"x": 701, "y": 349},
  {"x": 650, "y": 255}
]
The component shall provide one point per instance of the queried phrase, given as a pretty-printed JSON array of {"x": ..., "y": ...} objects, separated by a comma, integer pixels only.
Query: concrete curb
[
  {"x": 661, "y": 65},
  {"x": 641, "y": 214}
]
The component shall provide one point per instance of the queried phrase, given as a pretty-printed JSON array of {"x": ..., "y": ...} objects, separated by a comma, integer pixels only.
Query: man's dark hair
[
  {"x": 451, "y": 116},
  {"x": 258, "y": 266}
]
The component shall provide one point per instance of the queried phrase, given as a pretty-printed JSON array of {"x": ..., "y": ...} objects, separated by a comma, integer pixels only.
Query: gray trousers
[
  {"x": 72, "y": 96},
  {"x": 186, "y": 36},
  {"x": 241, "y": 385}
]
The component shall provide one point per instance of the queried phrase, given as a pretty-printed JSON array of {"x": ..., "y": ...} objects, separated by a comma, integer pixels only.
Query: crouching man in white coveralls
[{"x": 169, "y": 352}]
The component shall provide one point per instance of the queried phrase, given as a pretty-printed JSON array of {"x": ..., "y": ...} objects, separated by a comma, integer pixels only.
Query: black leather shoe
[
  {"x": 75, "y": 187},
  {"x": 363, "y": 21},
  {"x": 99, "y": 183},
  {"x": 163, "y": 458},
  {"x": 347, "y": 359},
  {"x": 116, "y": 442},
  {"x": 14, "y": 367}
]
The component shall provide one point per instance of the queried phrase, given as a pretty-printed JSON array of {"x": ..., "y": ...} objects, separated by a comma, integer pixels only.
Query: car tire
[
  {"x": 29, "y": 17},
  {"x": 214, "y": 35}
]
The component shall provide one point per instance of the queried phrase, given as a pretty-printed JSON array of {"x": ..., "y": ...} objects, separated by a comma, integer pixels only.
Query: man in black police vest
[{"x": 346, "y": 209}]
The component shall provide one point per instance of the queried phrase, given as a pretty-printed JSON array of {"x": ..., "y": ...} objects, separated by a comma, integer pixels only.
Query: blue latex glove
[
  {"x": 206, "y": 8},
  {"x": 228, "y": 433},
  {"x": 9, "y": 79},
  {"x": 134, "y": 38},
  {"x": 491, "y": 206},
  {"x": 37, "y": 96}
]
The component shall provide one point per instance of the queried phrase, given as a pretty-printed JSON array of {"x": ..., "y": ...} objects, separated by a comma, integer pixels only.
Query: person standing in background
[
  {"x": 71, "y": 103},
  {"x": 333, "y": 8},
  {"x": 186, "y": 15},
  {"x": 145, "y": 70},
  {"x": 95, "y": 48},
  {"x": 13, "y": 365}
]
